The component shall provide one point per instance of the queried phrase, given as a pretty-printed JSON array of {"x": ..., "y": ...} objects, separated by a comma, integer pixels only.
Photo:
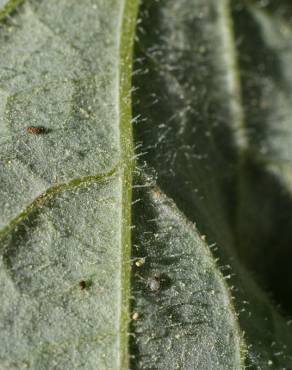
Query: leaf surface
[
  {"x": 65, "y": 179},
  {"x": 189, "y": 322},
  {"x": 213, "y": 93},
  {"x": 212, "y": 194}
]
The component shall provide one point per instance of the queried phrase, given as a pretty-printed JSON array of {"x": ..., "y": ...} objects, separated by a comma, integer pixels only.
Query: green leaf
[
  {"x": 48, "y": 321},
  {"x": 212, "y": 189},
  {"x": 66, "y": 149},
  {"x": 213, "y": 93},
  {"x": 189, "y": 322}
]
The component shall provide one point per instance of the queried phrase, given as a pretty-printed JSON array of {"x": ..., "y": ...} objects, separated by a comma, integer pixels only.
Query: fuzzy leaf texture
[{"x": 166, "y": 249}]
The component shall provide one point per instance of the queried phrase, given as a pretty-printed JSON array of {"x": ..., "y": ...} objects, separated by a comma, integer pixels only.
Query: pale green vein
[
  {"x": 51, "y": 193},
  {"x": 233, "y": 78},
  {"x": 128, "y": 23}
]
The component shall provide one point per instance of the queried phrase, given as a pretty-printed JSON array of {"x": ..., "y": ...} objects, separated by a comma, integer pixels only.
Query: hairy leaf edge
[{"x": 242, "y": 346}]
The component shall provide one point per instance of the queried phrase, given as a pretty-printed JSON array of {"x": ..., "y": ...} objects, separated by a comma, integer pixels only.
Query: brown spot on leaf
[{"x": 36, "y": 130}]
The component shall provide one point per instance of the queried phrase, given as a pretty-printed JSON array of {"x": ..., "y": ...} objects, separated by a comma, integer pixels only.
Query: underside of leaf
[{"x": 186, "y": 274}]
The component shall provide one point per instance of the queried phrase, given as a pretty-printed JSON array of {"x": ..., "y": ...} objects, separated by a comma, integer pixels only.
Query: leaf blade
[{"x": 74, "y": 92}]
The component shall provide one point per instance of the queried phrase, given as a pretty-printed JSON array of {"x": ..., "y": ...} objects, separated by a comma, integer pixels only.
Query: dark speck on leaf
[{"x": 85, "y": 284}]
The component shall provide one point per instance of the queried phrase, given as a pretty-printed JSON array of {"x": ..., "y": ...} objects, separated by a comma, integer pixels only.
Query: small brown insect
[
  {"x": 35, "y": 130},
  {"x": 153, "y": 283},
  {"x": 82, "y": 284}
]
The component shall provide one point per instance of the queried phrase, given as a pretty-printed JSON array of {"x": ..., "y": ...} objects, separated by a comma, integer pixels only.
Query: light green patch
[
  {"x": 57, "y": 83},
  {"x": 65, "y": 192},
  {"x": 47, "y": 320}
]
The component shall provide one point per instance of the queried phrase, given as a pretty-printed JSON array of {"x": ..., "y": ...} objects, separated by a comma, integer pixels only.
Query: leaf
[
  {"x": 204, "y": 71},
  {"x": 268, "y": 154},
  {"x": 191, "y": 311},
  {"x": 65, "y": 156},
  {"x": 43, "y": 261},
  {"x": 211, "y": 112}
]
